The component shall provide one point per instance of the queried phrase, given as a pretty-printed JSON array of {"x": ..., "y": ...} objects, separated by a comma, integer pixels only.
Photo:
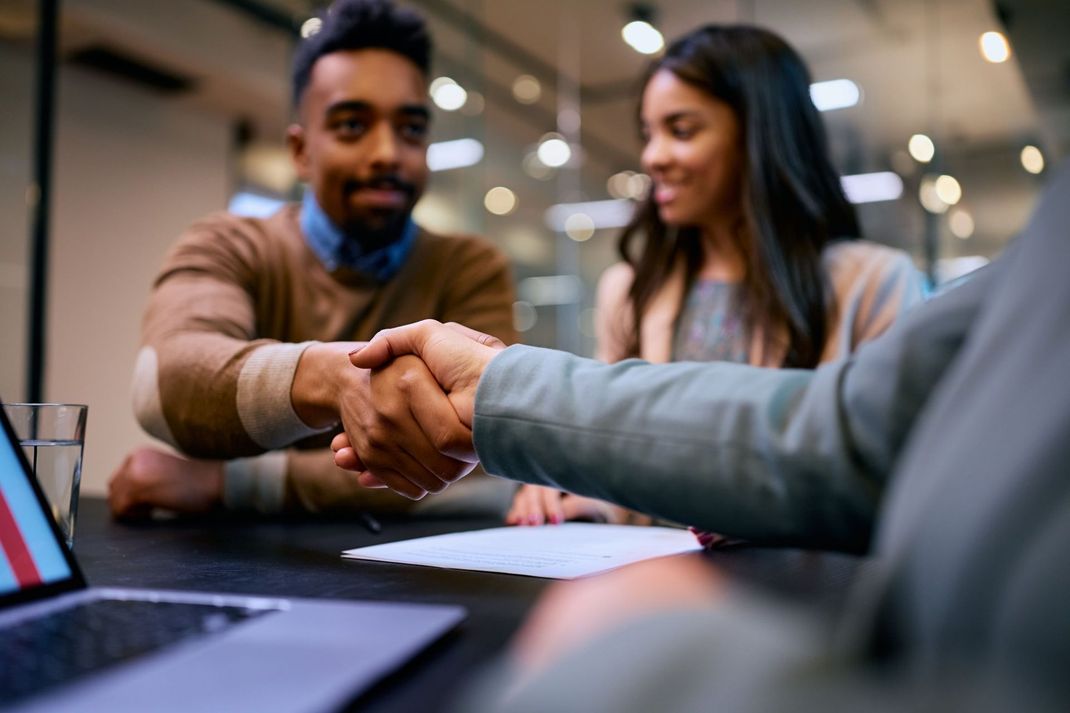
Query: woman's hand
[{"x": 537, "y": 504}]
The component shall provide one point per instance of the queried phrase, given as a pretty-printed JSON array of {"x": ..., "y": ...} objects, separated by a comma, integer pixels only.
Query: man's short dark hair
[{"x": 362, "y": 24}]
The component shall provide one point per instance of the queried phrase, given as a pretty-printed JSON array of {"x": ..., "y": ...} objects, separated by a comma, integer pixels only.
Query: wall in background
[{"x": 134, "y": 170}]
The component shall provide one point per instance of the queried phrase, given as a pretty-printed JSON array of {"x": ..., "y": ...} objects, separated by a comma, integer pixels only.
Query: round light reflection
[
  {"x": 310, "y": 27},
  {"x": 447, "y": 94},
  {"x": 921, "y": 148},
  {"x": 500, "y": 201},
  {"x": 568, "y": 120},
  {"x": 961, "y": 223},
  {"x": 525, "y": 316},
  {"x": 638, "y": 186},
  {"x": 642, "y": 37},
  {"x": 526, "y": 89},
  {"x": 994, "y": 47},
  {"x": 617, "y": 184},
  {"x": 948, "y": 189},
  {"x": 554, "y": 152},
  {"x": 579, "y": 227},
  {"x": 929, "y": 198},
  {"x": 474, "y": 105},
  {"x": 1032, "y": 159}
]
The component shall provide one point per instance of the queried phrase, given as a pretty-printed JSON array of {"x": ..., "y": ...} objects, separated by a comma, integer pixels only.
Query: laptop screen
[{"x": 31, "y": 554}]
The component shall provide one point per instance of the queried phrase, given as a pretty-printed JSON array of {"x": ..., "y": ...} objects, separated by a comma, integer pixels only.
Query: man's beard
[{"x": 377, "y": 229}]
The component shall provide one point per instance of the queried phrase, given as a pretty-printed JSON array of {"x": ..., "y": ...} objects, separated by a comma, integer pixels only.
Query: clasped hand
[{"x": 422, "y": 383}]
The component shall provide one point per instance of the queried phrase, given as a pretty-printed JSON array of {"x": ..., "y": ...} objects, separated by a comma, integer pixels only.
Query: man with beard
[{"x": 246, "y": 335}]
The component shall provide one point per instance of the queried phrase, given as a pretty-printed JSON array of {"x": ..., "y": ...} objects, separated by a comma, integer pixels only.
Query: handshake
[{"x": 410, "y": 428}]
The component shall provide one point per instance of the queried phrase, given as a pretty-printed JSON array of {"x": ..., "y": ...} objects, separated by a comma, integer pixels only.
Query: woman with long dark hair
[{"x": 746, "y": 249}]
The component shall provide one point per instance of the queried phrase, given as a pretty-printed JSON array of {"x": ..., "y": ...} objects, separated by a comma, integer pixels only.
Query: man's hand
[
  {"x": 538, "y": 504},
  {"x": 377, "y": 419},
  {"x": 455, "y": 356},
  {"x": 401, "y": 423},
  {"x": 149, "y": 478}
]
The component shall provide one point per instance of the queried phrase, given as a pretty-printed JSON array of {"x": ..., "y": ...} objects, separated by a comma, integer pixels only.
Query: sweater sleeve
[{"x": 204, "y": 382}]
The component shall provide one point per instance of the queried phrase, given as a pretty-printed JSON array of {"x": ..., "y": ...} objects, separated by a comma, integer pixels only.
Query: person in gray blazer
[{"x": 942, "y": 448}]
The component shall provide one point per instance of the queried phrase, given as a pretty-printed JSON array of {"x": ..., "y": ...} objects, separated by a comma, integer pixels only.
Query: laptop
[{"x": 67, "y": 646}]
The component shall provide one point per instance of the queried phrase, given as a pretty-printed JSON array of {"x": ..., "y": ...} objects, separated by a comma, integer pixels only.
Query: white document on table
[{"x": 566, "y": 551}]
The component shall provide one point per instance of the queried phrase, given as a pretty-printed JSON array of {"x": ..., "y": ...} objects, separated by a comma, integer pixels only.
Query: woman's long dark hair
[{"x": 793, "y": 204}]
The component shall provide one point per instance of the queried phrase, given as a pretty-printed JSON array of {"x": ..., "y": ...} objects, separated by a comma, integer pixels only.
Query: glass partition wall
[{"x": 18, "y": 29}]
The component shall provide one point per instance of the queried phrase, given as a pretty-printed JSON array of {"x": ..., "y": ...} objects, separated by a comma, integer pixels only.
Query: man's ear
[{"x": 295, "y": 141}]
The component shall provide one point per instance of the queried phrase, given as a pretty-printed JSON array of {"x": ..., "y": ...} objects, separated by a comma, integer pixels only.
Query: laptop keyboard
[{"x": 64, "y": 645}]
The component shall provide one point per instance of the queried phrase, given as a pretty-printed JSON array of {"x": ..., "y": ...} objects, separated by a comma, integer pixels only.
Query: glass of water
[{"x": 53, "y": 438}]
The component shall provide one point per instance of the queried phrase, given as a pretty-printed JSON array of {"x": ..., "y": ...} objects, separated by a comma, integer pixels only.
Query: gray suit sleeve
[{"x": 786, "y": 456}]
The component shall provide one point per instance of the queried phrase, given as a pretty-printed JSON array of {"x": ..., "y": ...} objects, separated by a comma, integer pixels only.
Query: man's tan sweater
[{"x": 236, "y": 303}]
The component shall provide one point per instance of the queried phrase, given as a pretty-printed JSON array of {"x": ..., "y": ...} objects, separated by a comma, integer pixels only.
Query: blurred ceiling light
[
  {"x": 948, "y": 189},
  {"x": 311, "y": 26},
  {"x": 550, "y": 290},
  {"x": 638, "y": 186},
  {"x": 437, "y": 83},
  {"x": 628, "y": 184},
  {"x": 872, "y": 187},
  {"x": 617, "y": 184},
  {"x": 834, "y": 94},
  {"x": 525, "y": 316},
  {"x": 268, "y": 166},
  {"x": 1032, "y": 159},
  {"x": 527, "y": 245},
  {"x": 253, "y": 205},
  {"x": 569, "y": 121},
  {"x": 921, "y": 148},
  {"x": 526, "y": 89},
  {"x": 475, "y": 104},
  {"x": 438, "y": 213},
  {"x": 579, "y": 227},
  {"x": 536, "y": 168},
  {"x": 604, "y": 214},
  {"x": 642, "y": 37},
  {"x": 994, "y": 47},
  {"x": 929, "y": 198},
  {"x": 500, "y": 201},
  {"x": 447, "y": 94},
  {"x": 554, "y": 151},
  {"x": 961, "y": 223},
  {"x": 446, "y": 155}
]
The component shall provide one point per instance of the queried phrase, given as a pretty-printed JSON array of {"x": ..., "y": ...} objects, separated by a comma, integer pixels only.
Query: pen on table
[{"x": 370, "y": 522}]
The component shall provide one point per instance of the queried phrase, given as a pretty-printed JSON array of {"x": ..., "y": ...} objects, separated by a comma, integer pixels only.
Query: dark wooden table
[{"x": 301, "y": 557}]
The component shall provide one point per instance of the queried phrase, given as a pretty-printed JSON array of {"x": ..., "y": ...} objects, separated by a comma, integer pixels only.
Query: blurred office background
[{"x": 944, "y": 116}]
